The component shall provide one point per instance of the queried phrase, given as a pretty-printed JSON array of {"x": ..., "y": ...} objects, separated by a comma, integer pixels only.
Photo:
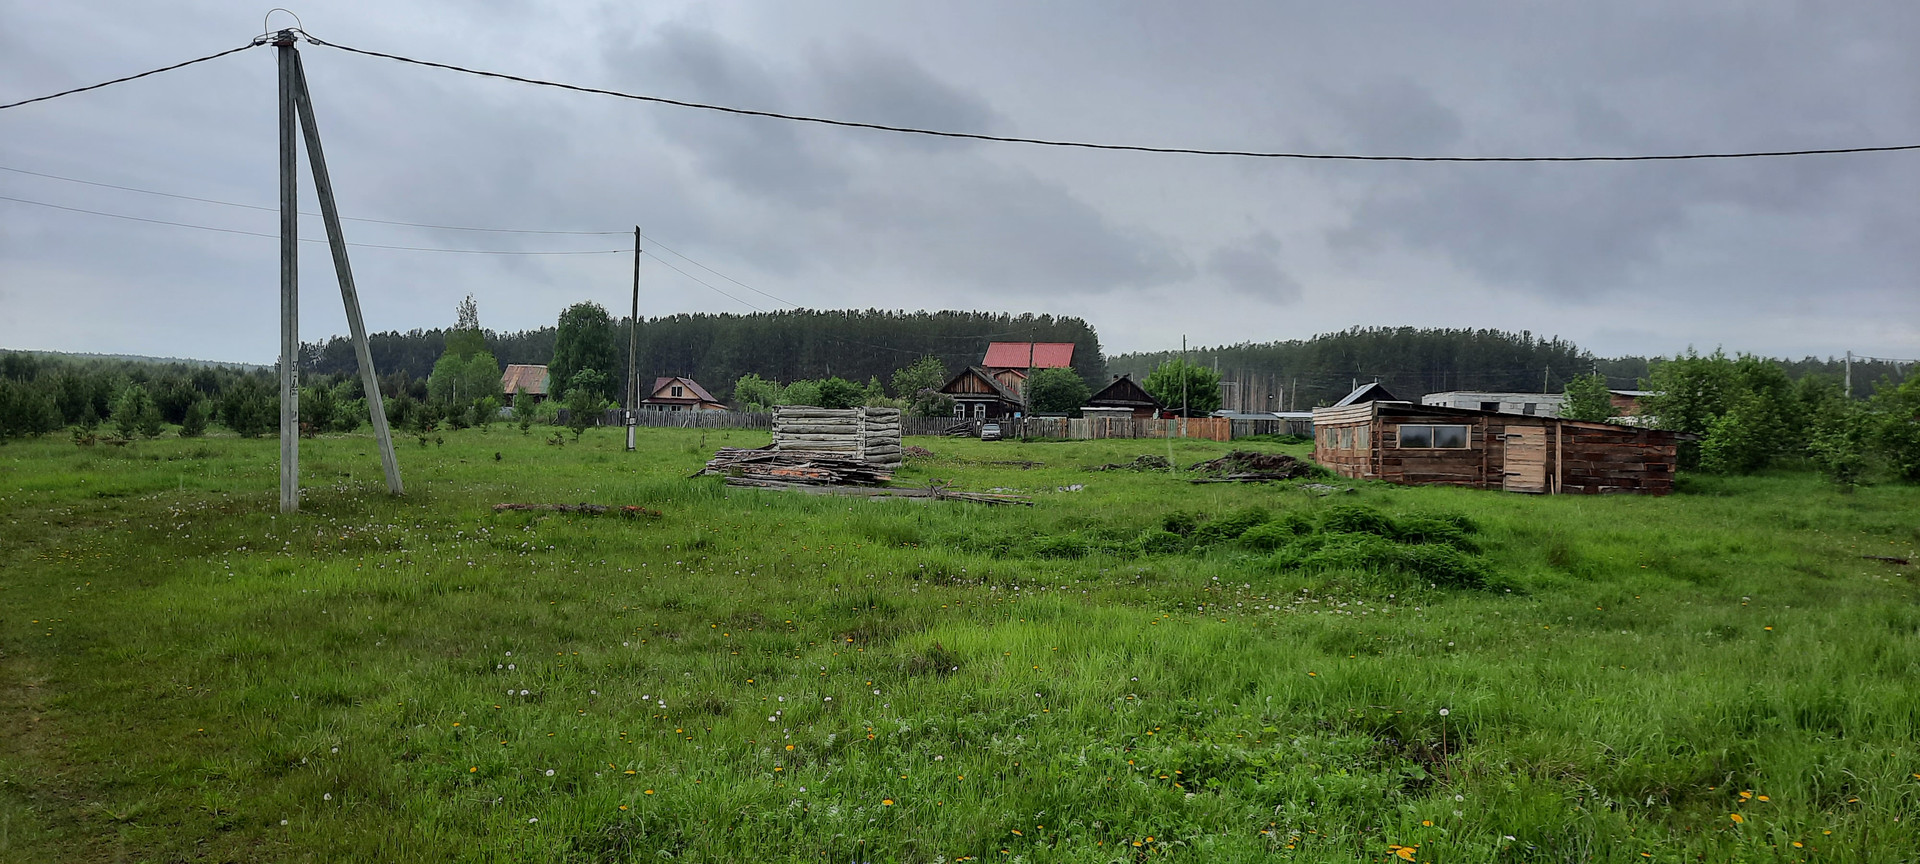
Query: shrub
[
  {"x": 1159, "y": 541},
  {"x": 1269, "y": 536},
  {"x": 1231, "y": 526},
  {"x": 1357, "y": 519},
  {"x": 193, "y": 422},
  {"x": 1181, "y": 522},
  {"x": 1427, "y": 529}
]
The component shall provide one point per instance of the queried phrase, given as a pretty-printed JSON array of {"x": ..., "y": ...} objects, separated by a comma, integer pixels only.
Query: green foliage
[
  {"x": 250, "y": 407},
  {"x": 317, "y": 410},
  {"x": 584, "y": 400},
  {"x": 1838, "y": 442},
  {"x": 193, "y": 422},
  {"x": 134, "y": 411},
  {"x": 1896, "y": 428},
  {"x": 1057, "y": 391},
  {"x": 840, "y": 393},
  {"x": 916, "y": 378},
  {"x": 1589, "y": 399},
  {"x": 26, "y": 410},
  {"x": 754, "y": 393},
  {"x": 466, "y": 338},
  {"x": 1202, "y": 386},
  {"x": 1743, "y": 408},
  {"x": 584, "y": 341},
  {"x": 1231, "y": 526}
]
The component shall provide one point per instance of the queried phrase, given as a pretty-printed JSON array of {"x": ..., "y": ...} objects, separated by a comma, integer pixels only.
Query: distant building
[
  {"x": 1627, "y": 402},
  {"x": 1021, "y": 355},
  {"x": 1374, "y": 392},
  {"x": 978, "y": 393},
  {"x": 1123, "y": 395},
  {"x": 680, "y": 394},
  {"x": 1526, "y": 404},
  {"x": 524, "y": 377}
]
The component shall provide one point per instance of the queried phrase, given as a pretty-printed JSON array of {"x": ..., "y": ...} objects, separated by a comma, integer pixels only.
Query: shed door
[{"x": 1526, "y": 461}]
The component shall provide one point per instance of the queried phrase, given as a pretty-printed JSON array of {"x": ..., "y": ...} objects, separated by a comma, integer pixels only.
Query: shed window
[
  {"x": 1490, "y": 406},
  {"x": 1529, "y": 407},
  {"x": 1433, "y": 437}
]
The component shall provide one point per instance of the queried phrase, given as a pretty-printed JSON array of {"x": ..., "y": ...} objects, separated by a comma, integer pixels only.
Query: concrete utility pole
[
  {"x": 296, "y": 109},
  {"x": 1185, "y": 376},
  {"x": 349, "y": 297},
  {"x": 289, "y": 279},
  {"x": 633, "y": 347},
  {"x": 1849, "y": 374}
]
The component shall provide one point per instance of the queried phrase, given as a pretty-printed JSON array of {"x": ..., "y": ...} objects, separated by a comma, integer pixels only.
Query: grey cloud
[
  {"x": 1251, "y": 266},
  {"x": 860, "y": 81}
]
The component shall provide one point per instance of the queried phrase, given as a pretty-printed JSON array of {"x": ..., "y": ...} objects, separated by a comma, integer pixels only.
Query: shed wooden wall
[{"x": 1580, "y": 458}]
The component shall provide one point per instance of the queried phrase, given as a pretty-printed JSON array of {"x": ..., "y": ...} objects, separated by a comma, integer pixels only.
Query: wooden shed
[{"x": 1400, "y": 442}]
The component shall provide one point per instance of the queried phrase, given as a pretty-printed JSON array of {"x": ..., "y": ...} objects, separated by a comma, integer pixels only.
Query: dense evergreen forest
[
  {"x": 779, "y": 346},
  {"x": 1412, "y": 362}
]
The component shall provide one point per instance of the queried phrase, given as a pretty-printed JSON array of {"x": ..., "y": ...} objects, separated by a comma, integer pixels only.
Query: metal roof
[{"x": 1013, "y": 355}]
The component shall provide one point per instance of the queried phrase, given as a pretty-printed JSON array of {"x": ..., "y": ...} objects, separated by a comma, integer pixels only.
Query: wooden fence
[{"x": 1083, "y": 429}]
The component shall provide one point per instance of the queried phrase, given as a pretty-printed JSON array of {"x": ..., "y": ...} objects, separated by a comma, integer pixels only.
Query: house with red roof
[{"x": 1021, "y": 355}]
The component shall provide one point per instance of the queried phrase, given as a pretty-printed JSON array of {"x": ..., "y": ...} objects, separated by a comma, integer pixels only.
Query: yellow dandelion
[
  {"x": 789, "y": 746},
  {"x": 1737, "y": 818},
  {"x": 886, "y": 802},
  {"x": 1798, "y": 845},
  {"x": 623, "y": 806},
  {"x": 474, "y": 770},
  {"x": 649, "y": 792},
  {"x": 1016, "y": 833},
  {"x": 1765, "y": 798}
]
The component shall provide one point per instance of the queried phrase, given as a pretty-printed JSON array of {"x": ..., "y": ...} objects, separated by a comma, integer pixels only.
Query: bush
[
  {"x": 1181, "y": 522},
  {"x": 26, "y": 411},
  {"x": 1440, "y": 565},
  {"x": 193, "y": 422},
  {"x": 1429, "y": 530},
  {"x": 249, "y": 407},
  {"x": 1272, "y": 535},
  {"x": 1357, "y": 519},
  {"x": 1159, "y": 541},
  {"x": 135, "y": 411},
  {"x": 1231, "y": 526}
]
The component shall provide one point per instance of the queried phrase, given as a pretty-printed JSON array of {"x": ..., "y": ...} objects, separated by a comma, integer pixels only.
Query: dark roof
[
  {"x": 1124, "y": 393},
  {"x": 1045, "y": 355},
  {"x": 1367, "y": 393},
  {"x": 999, "y": 390}
]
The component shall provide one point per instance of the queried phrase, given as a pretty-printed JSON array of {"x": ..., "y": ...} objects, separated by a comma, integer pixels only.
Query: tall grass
[{"x": 186, "y": 674}]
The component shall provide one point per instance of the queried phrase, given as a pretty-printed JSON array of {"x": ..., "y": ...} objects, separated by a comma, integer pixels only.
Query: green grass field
[{"x": 1391, "y": 673}]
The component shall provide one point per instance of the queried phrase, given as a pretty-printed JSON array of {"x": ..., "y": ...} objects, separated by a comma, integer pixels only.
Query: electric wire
[
  {"x": 654, "y": 241},
  {"x": 710, "y": 287},
  {"x": 303, "y": 212},
  {"x": 1089, "y": 145},
  {"x": 181, "y": 65},
  {"x": 312, "y": 239}
]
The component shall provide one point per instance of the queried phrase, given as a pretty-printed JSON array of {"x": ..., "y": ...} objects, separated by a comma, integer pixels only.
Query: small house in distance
[
  {"x": 680, "y": 394},
  {"x": 985, "y": 394},
  {"x": 1529, "y": 404},
  {"x": 1400, "y": 442},
  {"x": 521, "y": 377},
  {"x": 1123, "y": 398}
]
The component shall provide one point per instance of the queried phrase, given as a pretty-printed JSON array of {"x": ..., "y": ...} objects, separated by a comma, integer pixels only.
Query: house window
[
  {"x": 959, "y": 410},
  {"x": 1433, "y": 437},
  {"x": 678, "y": 391},
  {"x": 1360, "y": 437},
  {"x": 979, "y": 409}
]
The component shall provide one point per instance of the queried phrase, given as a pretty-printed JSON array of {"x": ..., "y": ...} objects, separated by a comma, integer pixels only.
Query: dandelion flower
[
  {"x": 886, "y": 802},
  {"x": 1737, "y": 818},
  {"x": 327, "y": 797},
  {"x": 649, "y": 792},
  {"x": 1444, "y": 712},
  {"x": 549, "y": 772}
]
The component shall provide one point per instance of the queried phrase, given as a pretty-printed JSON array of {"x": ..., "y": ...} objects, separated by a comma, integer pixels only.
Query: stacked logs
[
  {"x": 870, "y": 435},
  {"x": 790, "y": 466}
]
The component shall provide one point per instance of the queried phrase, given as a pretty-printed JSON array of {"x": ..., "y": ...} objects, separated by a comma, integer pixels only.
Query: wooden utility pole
[
  {"x": 1185, "y": 376},
  {"x": 296, "y": 109},
  {"x": 633, "y": 347},
  {"x": 349, "y": 297},
  {"x": 1849, "y": 374},
  {"x": 289, "y": 279}
]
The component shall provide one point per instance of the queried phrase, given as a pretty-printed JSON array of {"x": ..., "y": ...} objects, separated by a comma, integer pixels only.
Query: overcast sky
[{"x": 1784, "y": 256}]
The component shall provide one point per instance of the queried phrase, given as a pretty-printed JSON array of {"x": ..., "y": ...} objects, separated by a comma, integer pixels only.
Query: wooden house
[
  {"x": 1124, "y": 394},
  {"x": 980, "y": 394},
  {"x": 1400, "y": 442},
  {"x": 524, "y": 377},
  {"x": 672, "y": 393}
]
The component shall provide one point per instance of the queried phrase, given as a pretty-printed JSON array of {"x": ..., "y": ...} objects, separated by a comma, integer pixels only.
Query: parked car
[{"x": 989, "y": 431}]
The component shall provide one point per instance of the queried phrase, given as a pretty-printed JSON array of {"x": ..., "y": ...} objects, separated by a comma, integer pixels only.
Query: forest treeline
[
  {"x": 1412, "y": 362},
  {"x": 717, "y": 350}
]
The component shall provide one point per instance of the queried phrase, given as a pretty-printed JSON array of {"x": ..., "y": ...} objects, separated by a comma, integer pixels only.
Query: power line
[
  {"x": 252, "y": 44},
  {"x": 1087, "y": 145},
  {"x": 655, "y": 241},
  {"x": 669, "y": 266},
  {"x": 303, "y": 212},
  {"x": 312, "y": 239}
]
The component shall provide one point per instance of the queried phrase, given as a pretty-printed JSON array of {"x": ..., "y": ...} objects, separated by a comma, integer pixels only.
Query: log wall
[{"x": 871, "y": 435}]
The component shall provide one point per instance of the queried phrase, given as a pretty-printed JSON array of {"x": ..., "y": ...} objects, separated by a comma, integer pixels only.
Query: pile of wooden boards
[
  {"x": 868, "y": 435},
  {"x": 794, "y": 467}
]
